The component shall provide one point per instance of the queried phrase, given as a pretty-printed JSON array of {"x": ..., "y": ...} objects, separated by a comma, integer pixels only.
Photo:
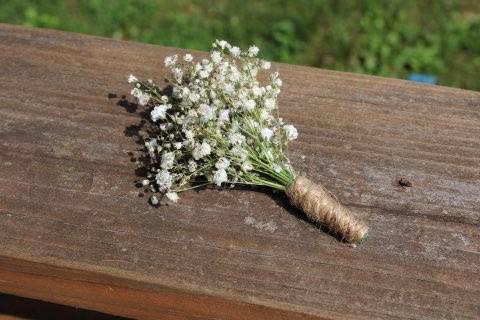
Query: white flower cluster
[{"x": 218, "y": 126}]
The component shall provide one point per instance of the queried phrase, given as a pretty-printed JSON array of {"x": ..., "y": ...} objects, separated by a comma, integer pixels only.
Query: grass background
[{"x": 390, "y": 38}]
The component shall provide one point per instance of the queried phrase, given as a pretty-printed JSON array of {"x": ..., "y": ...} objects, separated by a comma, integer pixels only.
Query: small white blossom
[
  {"x": 216, "y": 57},
  {"x": 228, "y": 88},
  {"x": 236, "y": 138},
  {"x": 194, "y": 97},
  {"x": 201, "y": 150},
  {"x": 158, "y": 112},
  {"x": 270, "y": 104},
  {"x": 132, "y": 79},
  {"x": 178, "y": 74},
  {"x": 257, "y": 91},
  {"x": 235, "y": 51},
  {"x": 264, "y": 115},
  {"x": 253, "y": 51},
  {"x": 222, "y": 163},
  {"x": 290, "y": 132},
  {"x": 192, "y": 166},
  {"x": 170, "y": 61},
  {"x": 222, "y": 43},
  {"x": 167, "y": 160},
  {"x": 188, "y": 143},
  {"x": 189, "y": 134},
  {"x": 239, "y": 152},
  {"x": 172, "y": 196},
  {"x": 163, "y": 179},
  {"x": 143, "y": 99},
  {"x": 154, "y": 200},
  {"x": 247, "y": 166},
  {"x": 249, "y": 104},
  {"x": 206, "y": 112},
  {"x": 141, "y": 96},
  {"x": 220, "y": 176},
  {"x": 151, "y": 145},
  {"x": 266, "y": 65},
  {"x": 266, "y": 133},
  {"x": 204, "y": 73},
  {"x": 188, "y": 57},
  {"x": 223, "y": 115},
  {"x": 145, "y": 182},
  {"x": 234, "y": 74}
]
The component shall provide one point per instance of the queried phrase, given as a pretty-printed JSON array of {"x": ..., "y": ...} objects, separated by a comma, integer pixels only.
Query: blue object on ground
[{"x": 422, "y": 77}]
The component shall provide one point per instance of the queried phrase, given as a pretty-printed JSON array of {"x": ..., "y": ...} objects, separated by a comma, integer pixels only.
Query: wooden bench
[{"x": 73, "y": 229}]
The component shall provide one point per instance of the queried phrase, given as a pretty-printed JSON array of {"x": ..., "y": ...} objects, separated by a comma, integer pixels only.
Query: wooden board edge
[{"x": 49, "y": 283}]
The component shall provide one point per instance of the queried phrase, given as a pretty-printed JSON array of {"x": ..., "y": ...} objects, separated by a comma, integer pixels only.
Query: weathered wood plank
[
  {"x": 73, "y": 229},
  {"x": 21, "y": 308}
]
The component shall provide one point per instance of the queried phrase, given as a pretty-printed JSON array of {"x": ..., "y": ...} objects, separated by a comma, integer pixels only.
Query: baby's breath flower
[
  {"x": 223, "y": 115},
  {"x": 151, "y": 145},
  {"x": 159, "y": 112},
  {"x": 290, "y": 132},
  {"x": 264, "y": 115},
  {"x": 270, "y": 104},
  {"x": 247, "y": 166},
  {"x": 266, "y": 133},
  {"x": 164, "y": 179},
  {"x": 235, "y": 51},
  {"x": 253, "y": 51},
  {"x": 172, "y": 196},
  {"x": 141, "y": 96},
  {"x": 236, "y": 138},
  {"x": 216, "y": 57},
  {"x": 154, "y": 200},
  {"x": 167, "y": 160},
  {"x": 249, "y": 104},
  {"x": 189, "y": 134},
  {"x": 170, "y": 61},
  {"x": 201, "y": 150},
  {"x": 204, "y": 73},
  {"x": 257, "y": 91},
  {"x": 239, "y": 152},
  {"x": 206, "y": 112},
  {"x": 266, "y": 65},
  {"x": 192, "y": 166},
  {"x": 188, "y": 57},
  {"x": 178, "y": 74},
  {"x": 194, "y": 97},
  {"x": 222, "y": 163},
  {"x": 219, "y": 177},
  {"x": 132, "y": 79},
  {"x": 222, "y": 43}
]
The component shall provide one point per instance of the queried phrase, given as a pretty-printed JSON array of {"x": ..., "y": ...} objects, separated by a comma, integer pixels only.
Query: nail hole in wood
[{"x": 404, "y": 183}]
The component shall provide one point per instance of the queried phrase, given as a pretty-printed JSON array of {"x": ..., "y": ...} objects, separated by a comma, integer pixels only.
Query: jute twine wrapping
[{"x": 319, "y": 205}]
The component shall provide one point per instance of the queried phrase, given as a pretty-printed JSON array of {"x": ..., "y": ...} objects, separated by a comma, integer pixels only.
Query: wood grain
[{"x": 73, "y": 229}]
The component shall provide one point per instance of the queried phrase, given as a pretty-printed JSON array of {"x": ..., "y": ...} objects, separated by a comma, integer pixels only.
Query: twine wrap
[{"x": 319, "y": 205}]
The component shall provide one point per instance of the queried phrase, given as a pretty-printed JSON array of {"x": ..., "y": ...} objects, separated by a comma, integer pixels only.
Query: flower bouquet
[{"x": 220, "y": 126}]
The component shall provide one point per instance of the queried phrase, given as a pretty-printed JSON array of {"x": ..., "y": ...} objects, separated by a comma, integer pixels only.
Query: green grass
[{"x": 389, "y": 38}]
